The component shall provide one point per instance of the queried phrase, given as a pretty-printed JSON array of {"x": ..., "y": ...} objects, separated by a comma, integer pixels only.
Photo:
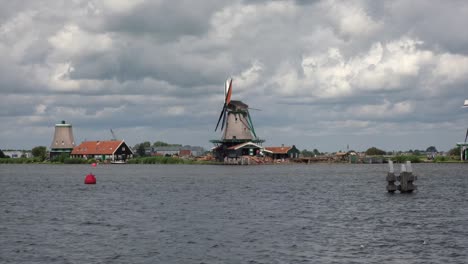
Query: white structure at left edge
[{"x": 464, "y": 145}]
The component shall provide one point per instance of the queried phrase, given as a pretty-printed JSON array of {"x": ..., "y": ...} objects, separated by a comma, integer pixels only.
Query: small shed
[{"x": 244, "y": 149}]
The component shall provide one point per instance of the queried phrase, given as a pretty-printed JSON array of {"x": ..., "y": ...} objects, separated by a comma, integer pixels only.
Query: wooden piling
[{"x": 406, "y": 179}]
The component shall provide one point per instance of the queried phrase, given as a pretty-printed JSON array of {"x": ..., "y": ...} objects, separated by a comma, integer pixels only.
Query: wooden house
[
  {"x": 113, "y": 150},
  {"x": 283, "y": 152}
]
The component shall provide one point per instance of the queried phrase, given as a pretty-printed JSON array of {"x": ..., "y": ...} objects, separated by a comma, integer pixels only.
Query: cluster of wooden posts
[{"x": 406, "y": 178}]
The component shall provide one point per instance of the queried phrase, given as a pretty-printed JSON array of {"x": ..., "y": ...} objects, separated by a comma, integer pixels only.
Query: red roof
[
  {"x": 96, "y": 147},
  {"x": 278, "y": 150}
]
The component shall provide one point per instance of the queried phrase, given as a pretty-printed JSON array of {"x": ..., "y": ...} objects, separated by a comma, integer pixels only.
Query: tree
[
  {"x": 316, "y": 152},
  {"x": 307, "y": 153},
  {"x": 374, "y": 151},
  {"x": 455, "y": 151},
  {"x": 160, "y": 144},
  {"x": 141, "y": 148},
  {"x": 431, "y": 149},
  {"x": 164, "y": 144},
  {"x": 39, "y": 152}
]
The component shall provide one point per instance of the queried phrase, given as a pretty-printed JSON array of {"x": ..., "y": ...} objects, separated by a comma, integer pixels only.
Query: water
[{"x": 231, "y": 214}]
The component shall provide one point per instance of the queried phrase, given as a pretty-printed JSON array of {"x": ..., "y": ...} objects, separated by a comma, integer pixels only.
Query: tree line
[{"x": 140, "y": 148}]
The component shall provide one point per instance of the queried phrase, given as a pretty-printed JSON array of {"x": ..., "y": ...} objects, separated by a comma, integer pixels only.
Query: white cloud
[
  {"x": 249, "y": 77},
  {"x": 351, "y": 18},
  {"x": 385, "y": 66},
  {"x": 175, "y": 110},
  {"x": 452, "y": 68},
  {"x": 233, "y": 20},
  {"x": 71, "y": 40},
  {"x": 383, "y": 110}
]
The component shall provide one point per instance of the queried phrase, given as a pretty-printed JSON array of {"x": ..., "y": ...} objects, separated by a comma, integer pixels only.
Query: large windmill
[{"x": 238, "y": 133}]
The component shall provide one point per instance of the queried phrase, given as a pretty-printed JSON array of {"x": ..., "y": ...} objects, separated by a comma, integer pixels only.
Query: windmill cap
[{"x": 63, "y": 124}]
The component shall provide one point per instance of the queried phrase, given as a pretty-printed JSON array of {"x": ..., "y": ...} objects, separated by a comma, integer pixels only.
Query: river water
[{"x": 317, "y": 213}]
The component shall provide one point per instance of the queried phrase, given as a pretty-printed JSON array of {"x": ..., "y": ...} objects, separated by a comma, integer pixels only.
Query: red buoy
[{"x": 90, "y": 179}]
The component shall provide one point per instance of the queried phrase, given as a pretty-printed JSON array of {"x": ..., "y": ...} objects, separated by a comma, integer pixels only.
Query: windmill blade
[
  {"x": 220, "y": 116},
  {"x": 227, "y": 100},
  {"x": 224, "y": 120},
  {"x": 466, "y": 137},
  {"x": 254, "y": 109},
  {"x": 251, "y": 124},
  {"x": 226, "y": 88}
]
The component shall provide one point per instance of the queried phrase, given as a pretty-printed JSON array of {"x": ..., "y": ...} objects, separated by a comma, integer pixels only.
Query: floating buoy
[
  {"x": 90, "y": 179},
  {"x": 93, "y": 164}
]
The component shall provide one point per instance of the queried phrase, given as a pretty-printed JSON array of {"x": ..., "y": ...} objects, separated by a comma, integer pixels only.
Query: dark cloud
[{"x": 165, "y": 20}]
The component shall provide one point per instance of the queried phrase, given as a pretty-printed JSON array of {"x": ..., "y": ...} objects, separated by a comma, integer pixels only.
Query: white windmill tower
[
  {"x": 464, "y": 145},
  {"x": 465, "y": 105}
]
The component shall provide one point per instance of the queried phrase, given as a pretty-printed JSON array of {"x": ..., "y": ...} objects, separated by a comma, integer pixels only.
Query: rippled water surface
[{"x": 231, "y": 214}]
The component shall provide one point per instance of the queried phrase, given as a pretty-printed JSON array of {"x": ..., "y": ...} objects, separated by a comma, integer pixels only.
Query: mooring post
[
  {"x": 406, "y": 178},
  {"x": 391, "y": 187}
]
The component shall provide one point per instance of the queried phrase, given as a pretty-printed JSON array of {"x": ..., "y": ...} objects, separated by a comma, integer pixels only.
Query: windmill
[
  {"x": 235, "y": 123},
  {"x": 63, "y": 141}
]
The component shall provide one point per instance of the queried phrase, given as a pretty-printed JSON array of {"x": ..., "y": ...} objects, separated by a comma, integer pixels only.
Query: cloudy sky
[{"x": 324, "y": 74}]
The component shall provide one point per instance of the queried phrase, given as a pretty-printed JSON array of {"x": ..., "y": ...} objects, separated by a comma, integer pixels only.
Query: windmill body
[
  {"x": 237, "y": 122},
  {"x": 238, "y": 133},
  {"x": 63, "y": 141}
]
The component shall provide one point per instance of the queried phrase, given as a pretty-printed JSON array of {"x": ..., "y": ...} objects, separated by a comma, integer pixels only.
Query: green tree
[
  {"x": 455, "y": 151},
  {"x": 307, "y": 153},
  {"x": 160, "y": 144},
  {"x": 374, "y": 151},
  {"x": 141, "y": 148},
  {"x": 39, "y": 152},
  {"x": 164, "y": 144},
  {"x": 316, "y": 152},
  {"x": 431, "y": 149}
]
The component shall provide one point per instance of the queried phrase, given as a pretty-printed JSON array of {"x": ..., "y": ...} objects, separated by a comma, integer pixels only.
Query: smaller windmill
[
  {"x": 236, "y": 126},
  {"x": 63, "y": 141}
]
